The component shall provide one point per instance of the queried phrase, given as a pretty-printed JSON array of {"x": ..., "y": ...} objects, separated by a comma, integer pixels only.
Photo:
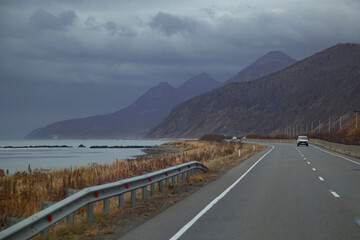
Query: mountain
[
  {"x": 196, "y": 85},
  {"x": 271, "y": 62},
  {"x": 324, "y": 85},
  {"x": 133, "y": 121}
]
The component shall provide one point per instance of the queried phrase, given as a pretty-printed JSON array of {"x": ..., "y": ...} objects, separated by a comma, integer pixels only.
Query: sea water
[{"x": 19, "y": 159}]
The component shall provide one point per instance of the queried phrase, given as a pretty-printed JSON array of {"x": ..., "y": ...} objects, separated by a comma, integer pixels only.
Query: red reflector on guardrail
[
  {"x": 166, "y": 174},
  {"x": 127, "y": 185},
  {"x": 49, "y": 218},
  {"x": 179, "y": 169},
  {"x": 96, "y": 194},
  {"x": 189, "y": 166},
  {"x": 150, "y": 179},
  {"x": 197, "y": 164}
]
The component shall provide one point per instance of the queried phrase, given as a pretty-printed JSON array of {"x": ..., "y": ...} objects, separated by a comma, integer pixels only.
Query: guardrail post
[
  {"x": 173, "y": 180},
  {"x": 144, "y": 189},
  {"x": 133, "y": 197},
  {"x": 90, "y": 212},
  {"x": 106, "y": 205},
  {"x": 44, "y": 205},
  {"x": 70, "y": 217},
  {"x": 13, "y": 221},
  {"x": 178, "y": 179},
  {"x": 161, "y": 186},
  {"x": 121, "y": 201},
  {"x": 152, "y": 189},
  {"x": 183, "y": 176},
  {"x": 144, "y": 192},
  {"x": 166, "y": 182}
]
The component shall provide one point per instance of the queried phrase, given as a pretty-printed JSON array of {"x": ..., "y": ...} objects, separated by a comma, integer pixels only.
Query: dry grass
[{"x": 345, "y": 136}]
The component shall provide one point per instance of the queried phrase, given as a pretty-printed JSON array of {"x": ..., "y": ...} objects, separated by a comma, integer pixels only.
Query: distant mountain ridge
[
  {"x": 269, "y": 63},
  {"x": 321, "y": 86},
  {"x": 133, "y": 121},
  {"x": 153, "y": 106}
]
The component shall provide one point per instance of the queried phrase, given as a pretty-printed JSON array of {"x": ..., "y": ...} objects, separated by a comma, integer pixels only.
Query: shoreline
[{"x": 158, "y": 150}]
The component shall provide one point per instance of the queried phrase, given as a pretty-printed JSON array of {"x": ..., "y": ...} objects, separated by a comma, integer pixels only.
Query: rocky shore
[{"x": 39, "y": 146}]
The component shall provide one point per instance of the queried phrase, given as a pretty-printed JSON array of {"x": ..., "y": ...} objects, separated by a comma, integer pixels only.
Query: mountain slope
[
  {"x": 321, "y": 86},
  {"x": 197, "y": 85},
  {"x": 271, "y": 62},
  {"x": 133, "y": 121}
]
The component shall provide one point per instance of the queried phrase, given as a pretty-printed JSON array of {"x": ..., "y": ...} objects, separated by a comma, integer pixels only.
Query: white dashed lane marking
[
  {"x": 314, "y": 169},
  {"x": 321, "y": 179},
  {"x": 335, "y": 194}
]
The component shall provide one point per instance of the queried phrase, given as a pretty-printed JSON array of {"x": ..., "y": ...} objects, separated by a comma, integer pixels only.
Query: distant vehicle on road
[{"x": 303, "y": 140}]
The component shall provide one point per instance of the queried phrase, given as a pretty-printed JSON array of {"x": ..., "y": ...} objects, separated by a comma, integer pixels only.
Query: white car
[{"x": 303, "y": 140}]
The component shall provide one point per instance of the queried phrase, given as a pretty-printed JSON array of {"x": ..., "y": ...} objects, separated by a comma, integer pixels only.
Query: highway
[{"x": 284, "y": 192}]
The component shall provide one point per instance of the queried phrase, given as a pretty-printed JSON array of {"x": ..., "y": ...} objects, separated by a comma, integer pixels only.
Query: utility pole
[
  {"x": 294, "y": 130},
  {"x": 307, "y": 129},
  {"x": 340, "y": 122},
  {"x": 312, "y": 126},
  {"x": 329, "y": 125},
  {"x": 319, "y": 125},
  {"x": 356, "y": 121}
]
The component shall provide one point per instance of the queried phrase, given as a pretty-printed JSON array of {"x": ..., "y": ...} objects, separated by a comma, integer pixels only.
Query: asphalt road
[{"x": 290, "y": 193}]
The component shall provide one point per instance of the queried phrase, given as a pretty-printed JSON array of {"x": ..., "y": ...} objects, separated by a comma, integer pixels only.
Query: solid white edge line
[
  {"x": 335, "y": 194},
  {"x": 213, "y": 202},
  {"x": 321, "y": 179},
  {"x": 337, "y": 155}
]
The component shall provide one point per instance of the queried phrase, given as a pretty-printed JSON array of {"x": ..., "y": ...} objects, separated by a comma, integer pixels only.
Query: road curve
[{"x": 291, "y": 193}]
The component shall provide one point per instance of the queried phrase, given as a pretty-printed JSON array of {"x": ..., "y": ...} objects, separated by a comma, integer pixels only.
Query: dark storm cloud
[
  {"x": 170, "y": 24},
  {"x": 111, "y": 27},
  {"x": 47, "y": 21}
]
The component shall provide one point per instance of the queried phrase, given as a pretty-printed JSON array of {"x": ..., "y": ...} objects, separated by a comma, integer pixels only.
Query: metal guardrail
[{"x": 40, "y": 221}]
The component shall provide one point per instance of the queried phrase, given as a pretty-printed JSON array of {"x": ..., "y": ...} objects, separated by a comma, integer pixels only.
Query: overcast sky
[{"x": 66, "y": 59}]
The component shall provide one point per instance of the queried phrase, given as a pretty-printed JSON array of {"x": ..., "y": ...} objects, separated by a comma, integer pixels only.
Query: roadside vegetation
[
  {"x": 345, "y": 136},
  {"x": 21, "y": 193}
]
